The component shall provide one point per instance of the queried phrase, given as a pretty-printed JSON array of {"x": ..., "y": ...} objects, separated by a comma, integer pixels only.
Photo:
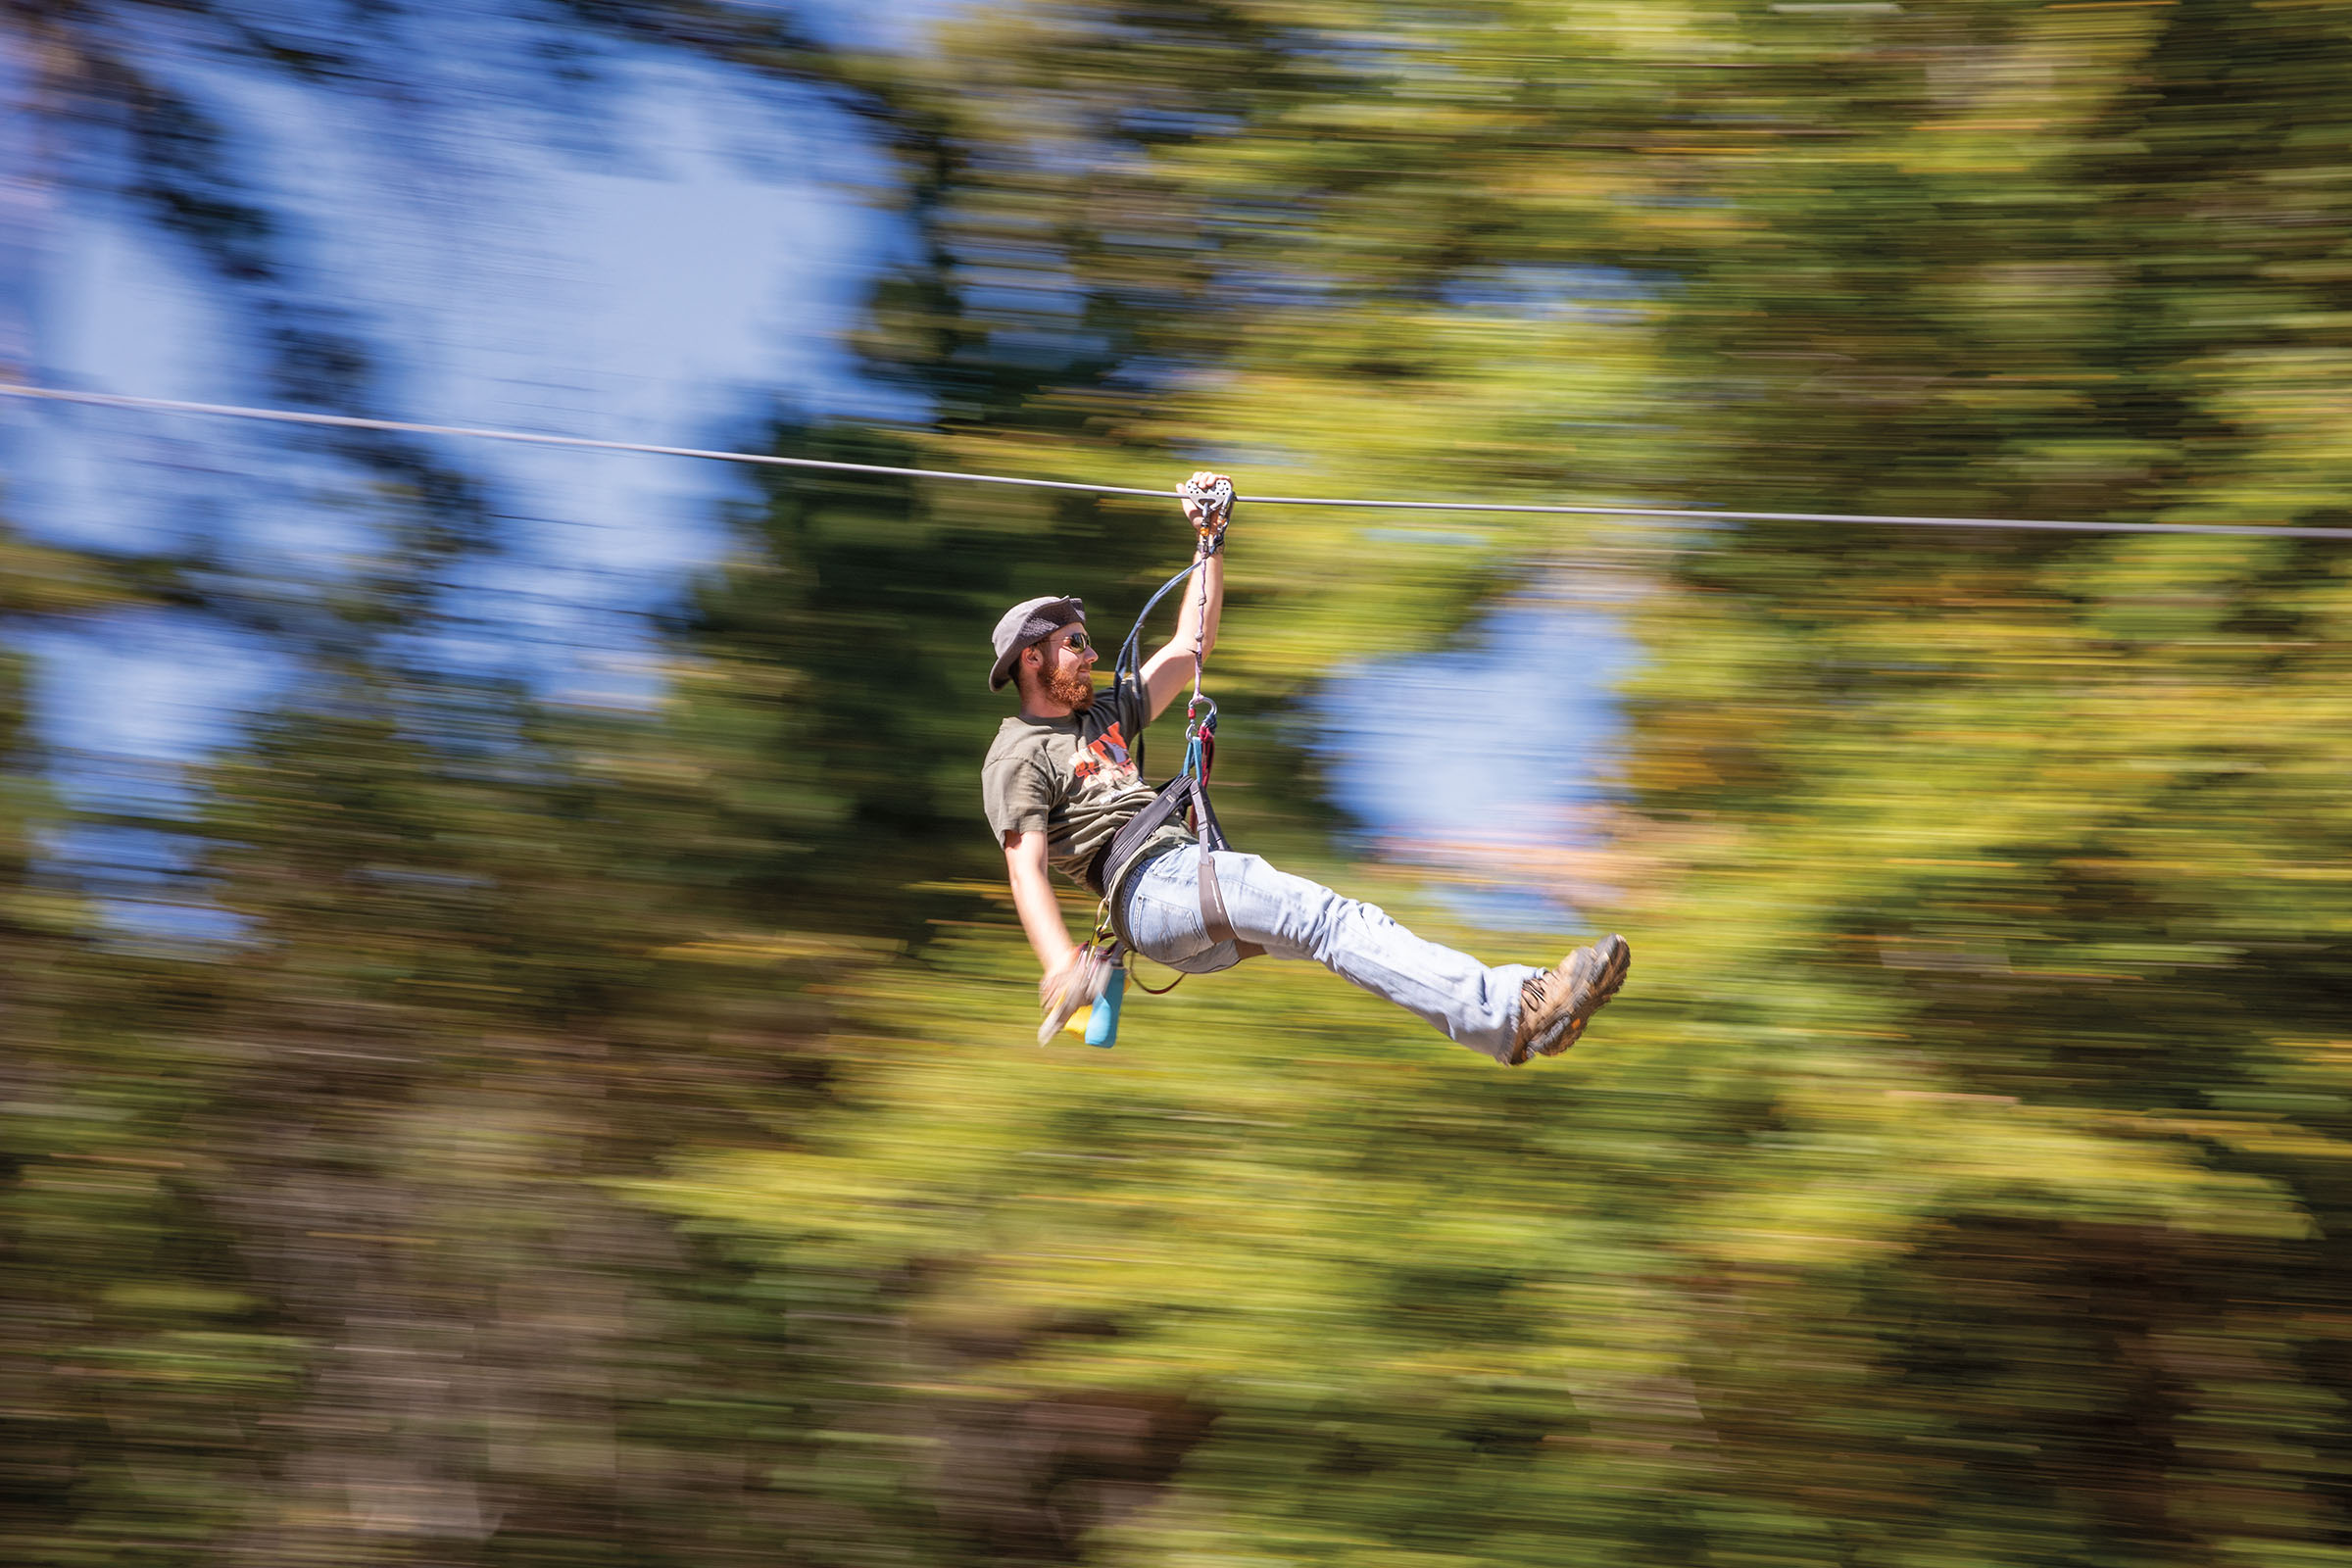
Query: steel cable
[{"x": 349, "y": 421}]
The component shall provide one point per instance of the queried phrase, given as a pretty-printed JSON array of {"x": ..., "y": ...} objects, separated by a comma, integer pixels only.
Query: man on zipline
[{"x": 1062, "y": 779}]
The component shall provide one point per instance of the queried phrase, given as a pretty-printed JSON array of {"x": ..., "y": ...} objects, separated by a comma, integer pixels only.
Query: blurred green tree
[
  {"x": 617, "y": 1141},
  {"x": 1955, "y": 1182}
]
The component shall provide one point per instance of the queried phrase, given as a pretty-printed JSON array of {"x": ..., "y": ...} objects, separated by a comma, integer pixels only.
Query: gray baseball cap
[{"x": 1023, "y": 625}]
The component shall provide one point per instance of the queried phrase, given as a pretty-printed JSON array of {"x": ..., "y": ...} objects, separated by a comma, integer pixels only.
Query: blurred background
[{"x": 515, "y": 1048}]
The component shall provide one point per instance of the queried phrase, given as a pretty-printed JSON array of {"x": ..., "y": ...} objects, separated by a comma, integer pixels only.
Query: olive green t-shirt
[{"x": 1078, "y": 780}]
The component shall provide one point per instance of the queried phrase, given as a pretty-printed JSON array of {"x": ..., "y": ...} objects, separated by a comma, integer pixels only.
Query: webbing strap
[
  {"x": 1137, "y": 830},
  {"x": 1214, "y": 917},
  {"x": 1178, "y": 793}
]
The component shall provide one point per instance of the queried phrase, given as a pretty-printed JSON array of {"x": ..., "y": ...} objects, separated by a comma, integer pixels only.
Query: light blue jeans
[{"x": 1291, "y": 917}]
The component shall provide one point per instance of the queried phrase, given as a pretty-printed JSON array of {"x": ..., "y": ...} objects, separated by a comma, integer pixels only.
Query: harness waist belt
[
  {"x": 1109, "y": 864},
  {"x": 1126, "y": 849}
]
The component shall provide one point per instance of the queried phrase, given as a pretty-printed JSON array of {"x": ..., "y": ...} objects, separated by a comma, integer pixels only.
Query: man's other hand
[{"x": 1060, "y": 978}]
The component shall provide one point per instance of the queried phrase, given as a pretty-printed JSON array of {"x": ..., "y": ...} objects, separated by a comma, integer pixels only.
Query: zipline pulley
[{"x": 1215, "y": 501}]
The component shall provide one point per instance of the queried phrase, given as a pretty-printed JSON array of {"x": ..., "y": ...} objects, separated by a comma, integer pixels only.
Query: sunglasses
[{"x": 1075, "y": 642}]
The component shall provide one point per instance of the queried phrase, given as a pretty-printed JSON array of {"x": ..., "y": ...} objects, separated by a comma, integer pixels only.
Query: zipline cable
[
  {"x": 353, "y": 422},
  {"x": 350, "y": 422}
]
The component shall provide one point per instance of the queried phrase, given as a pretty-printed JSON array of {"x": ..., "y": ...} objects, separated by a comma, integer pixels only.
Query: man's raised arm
[{"x": 1170, "y": 669}]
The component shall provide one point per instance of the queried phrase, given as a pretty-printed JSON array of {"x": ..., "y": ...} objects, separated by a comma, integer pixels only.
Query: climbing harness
[{"x": 1090, "y": 1000}]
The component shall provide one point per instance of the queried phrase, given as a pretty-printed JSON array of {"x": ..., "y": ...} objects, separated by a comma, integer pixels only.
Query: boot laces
[{"x": 1534, "y": 993}]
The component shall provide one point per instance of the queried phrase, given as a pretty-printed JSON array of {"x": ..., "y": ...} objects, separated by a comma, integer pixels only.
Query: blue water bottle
[{"x": 1103, "y": 1024}]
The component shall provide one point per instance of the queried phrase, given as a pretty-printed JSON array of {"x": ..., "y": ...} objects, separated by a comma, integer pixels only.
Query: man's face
[{"x": 1065, "y": 670}]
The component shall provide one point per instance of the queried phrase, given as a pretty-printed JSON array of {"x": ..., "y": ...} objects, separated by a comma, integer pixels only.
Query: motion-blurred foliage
[{"x": 620, "y": 1142}]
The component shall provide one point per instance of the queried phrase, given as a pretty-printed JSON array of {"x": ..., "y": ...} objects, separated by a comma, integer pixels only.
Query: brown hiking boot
[{"x": 1554, "y": 1005}]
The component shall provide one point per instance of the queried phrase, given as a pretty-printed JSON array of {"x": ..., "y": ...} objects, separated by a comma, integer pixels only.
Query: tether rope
[{"x": 349, "y": 421}]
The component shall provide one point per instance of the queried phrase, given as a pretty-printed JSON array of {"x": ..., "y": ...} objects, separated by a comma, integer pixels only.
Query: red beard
[{"x": 1071, "y": 687}]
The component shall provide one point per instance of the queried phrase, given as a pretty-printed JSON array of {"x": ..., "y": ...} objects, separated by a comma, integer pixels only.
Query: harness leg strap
[{"x": 1213, "y": 919}]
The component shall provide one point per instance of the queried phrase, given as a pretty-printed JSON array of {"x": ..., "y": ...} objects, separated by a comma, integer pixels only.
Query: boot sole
[{"x": 1616, "y": 962}]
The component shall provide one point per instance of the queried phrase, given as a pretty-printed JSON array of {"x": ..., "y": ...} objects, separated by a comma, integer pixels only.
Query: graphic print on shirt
[{"x": 1106, "y": 763}]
